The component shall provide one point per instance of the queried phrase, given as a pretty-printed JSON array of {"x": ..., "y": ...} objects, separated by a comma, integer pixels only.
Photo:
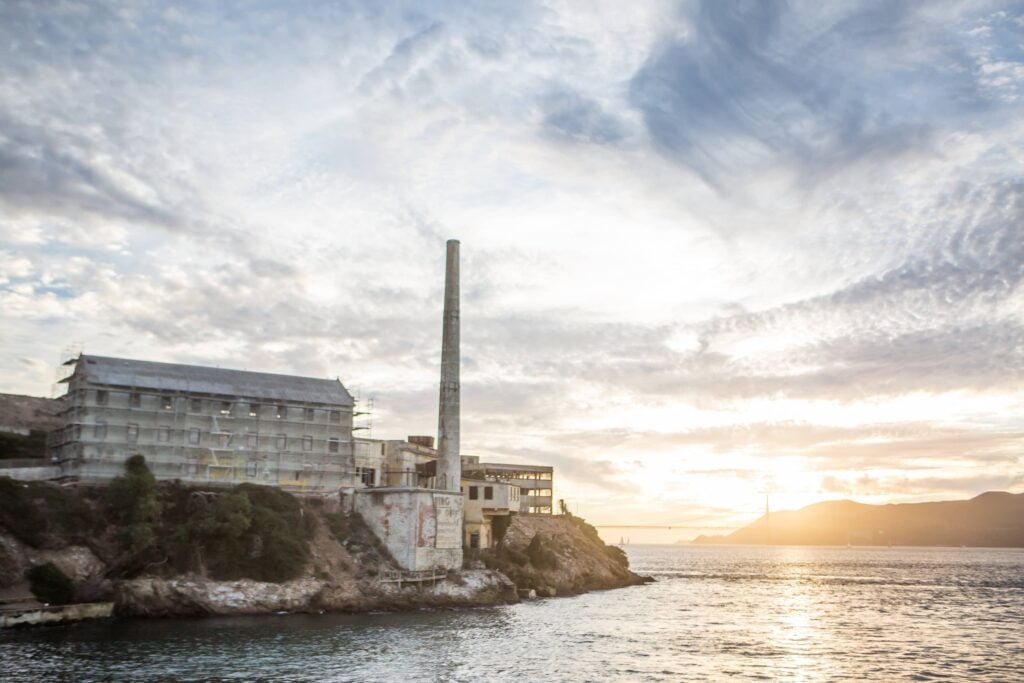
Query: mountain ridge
[{"x": 990, "y": 519}]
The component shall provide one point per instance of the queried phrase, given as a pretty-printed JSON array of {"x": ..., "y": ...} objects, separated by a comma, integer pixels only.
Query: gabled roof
[{"x": 141, "y": 374}]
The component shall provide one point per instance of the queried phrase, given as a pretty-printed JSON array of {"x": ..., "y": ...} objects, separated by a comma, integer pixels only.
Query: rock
[
  {"x": 198, "y": 597},
  {"x": 76, "y": 561},
  {"x": 559, "y": 555}
]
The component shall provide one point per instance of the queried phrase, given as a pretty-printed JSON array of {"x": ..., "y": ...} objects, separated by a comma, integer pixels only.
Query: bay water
[{"x": 715, "y": 613}]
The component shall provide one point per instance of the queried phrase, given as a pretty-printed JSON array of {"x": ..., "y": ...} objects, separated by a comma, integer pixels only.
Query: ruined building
[{"x": 204, "y": 425}]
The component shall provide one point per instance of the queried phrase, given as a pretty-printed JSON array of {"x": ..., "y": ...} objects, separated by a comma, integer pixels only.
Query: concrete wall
[
  {"x": 30, "y": 473},
  {"x": 422, "y": 528},
  {"x": 53, "y": 615},
  {"x": 190, "y": 437}
]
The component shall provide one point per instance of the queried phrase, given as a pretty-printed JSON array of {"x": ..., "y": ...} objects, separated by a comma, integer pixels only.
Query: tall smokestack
[{"x": 449, "y": 466}]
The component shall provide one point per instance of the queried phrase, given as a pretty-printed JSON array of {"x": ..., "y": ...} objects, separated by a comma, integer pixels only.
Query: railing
[{"x": 421, "y": 576}]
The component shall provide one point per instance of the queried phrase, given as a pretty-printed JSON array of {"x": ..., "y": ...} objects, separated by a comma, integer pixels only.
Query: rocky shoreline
[{"x": 342, "y": 569}]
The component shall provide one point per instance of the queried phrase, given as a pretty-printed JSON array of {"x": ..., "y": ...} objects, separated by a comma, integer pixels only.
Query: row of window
[
  {"x": 197, "y": 405},
  {"x": 474, "y": 492},
  {"x": 194, "y": 436}
]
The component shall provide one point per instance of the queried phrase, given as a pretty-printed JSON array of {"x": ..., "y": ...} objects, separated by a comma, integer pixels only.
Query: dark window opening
[
  {"x": 332, "y": 445},
  {"x": 101, "y": 397},
  {"x": 196, "y": 405},
  {"x": 474, "y": 493},
  {"x": 335, "y": 416},
  {"x": 488, "y": 493},
  {"x": 474, "y": 539},
  {"x": 367, "y": 475},
  {"x": 135, "y": 400},
  {"x": 310, "y": 414},
  {"x": 167, "y": 403}
]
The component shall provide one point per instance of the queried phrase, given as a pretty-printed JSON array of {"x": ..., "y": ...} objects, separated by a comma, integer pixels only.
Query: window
[
  {"x": 135, "y": 400},
  {"x": 99, "y": 430},
  {"x": 310, "y": 414},
  {"x": 251, "y": 468},
  {"x": 133, "y": 432},
  {"x": 102, "y": 396},
  {"x": 367, "y": 475},
  {"x": 332, "y": 444},
  {"x": 488, "y": 493},
  {"x": 281, "y": 442},
  {"x": 193, "y": 435},
  {"x": 474, "y": 493},
  {"x": 335, "y": 416},
  {"x": 225, "y": 407},
  {"x": 163, "y": 434},
  {"x": 196, "y": 405},
  {"x": 474, "y": 539},
  {"x": 282, "y": 412},
  {"x": 254, "y": 410},
  {"x": 307, "y": 443},
  {"x": 78, "y": 432},
  {"x": 228, "y": 438},
  {"x": 167, "y": 403},
  {"x": 252, "y": 440}
]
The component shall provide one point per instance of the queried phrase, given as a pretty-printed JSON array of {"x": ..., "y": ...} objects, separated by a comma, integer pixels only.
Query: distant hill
[{"x": 993, "y": 519}]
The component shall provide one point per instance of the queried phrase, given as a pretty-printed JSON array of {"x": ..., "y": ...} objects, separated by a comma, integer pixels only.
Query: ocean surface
[{"x": 715, "y": 613}]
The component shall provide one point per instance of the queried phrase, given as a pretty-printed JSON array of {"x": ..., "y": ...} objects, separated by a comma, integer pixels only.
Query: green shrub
[
  {"x": 133, "y": 503},
  {"x": 18, "y": 513},
  {"x": 50, "y": 585}
]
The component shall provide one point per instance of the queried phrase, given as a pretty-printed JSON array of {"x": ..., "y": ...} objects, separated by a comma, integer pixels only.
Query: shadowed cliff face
[
  {"x": 993, "y": 519},
  {"x": 559, "y": 555}
]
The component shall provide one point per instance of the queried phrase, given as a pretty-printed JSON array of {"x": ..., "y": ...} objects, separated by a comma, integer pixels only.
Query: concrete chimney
[{"x": 449, "y": 466}]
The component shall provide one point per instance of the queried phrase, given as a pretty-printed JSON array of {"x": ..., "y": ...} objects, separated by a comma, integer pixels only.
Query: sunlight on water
[{"x": 716, "y": 613}]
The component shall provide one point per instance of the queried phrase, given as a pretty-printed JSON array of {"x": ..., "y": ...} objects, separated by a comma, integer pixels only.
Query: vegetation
[
  {"x": 254, "y": 532},
  {"x": 50, "y": 585},
  {"x": 31, "y": 445},
  {"x": 133, "y": 504},
  {"x": 42, "y": 515}
]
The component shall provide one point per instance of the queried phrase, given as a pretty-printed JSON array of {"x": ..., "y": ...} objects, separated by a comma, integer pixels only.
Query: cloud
[
  {"x": 755, "y": 85},
  {"x": 699, "y": 239}
]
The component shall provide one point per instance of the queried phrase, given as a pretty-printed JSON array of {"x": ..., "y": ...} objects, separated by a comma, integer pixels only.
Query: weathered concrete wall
[
  {"x": 421, "y": 528},
  {"x": 38, "y": 473},
  {"x": 53, "y": 615}
]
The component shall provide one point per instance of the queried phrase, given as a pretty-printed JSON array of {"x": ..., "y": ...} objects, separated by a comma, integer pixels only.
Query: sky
[{"x": 712, "y": 252}]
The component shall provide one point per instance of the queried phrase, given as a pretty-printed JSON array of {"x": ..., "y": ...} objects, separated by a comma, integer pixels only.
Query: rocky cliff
[{"x": 558, "y": 555}]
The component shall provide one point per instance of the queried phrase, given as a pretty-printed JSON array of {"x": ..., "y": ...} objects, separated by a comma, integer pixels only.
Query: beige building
[
  {"x": 486, "y": 502},
  {"x": 204, "y": 425},
  {"x": 535, "y": 481}
]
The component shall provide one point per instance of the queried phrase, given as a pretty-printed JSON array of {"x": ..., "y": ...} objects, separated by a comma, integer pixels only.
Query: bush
[
  {"x": 50, "y": 585},
  {"x": 133, "y": 503}
]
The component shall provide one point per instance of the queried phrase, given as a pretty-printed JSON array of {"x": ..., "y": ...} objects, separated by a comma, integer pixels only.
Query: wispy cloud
[{"x": 710, "y": 248}]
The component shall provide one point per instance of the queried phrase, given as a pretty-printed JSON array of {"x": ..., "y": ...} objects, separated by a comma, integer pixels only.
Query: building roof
[
  {"x": 197, "y": 379},
  {"x": 506, "y": 467}
]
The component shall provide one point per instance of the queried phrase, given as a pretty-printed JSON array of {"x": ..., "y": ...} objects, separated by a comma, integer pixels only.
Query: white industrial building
[{"x": 204, "y": 425}]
